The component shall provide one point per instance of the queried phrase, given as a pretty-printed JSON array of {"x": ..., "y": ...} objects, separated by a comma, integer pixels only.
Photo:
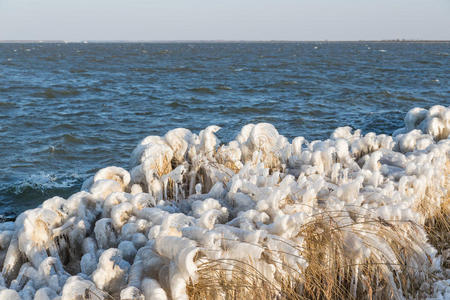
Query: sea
[{"x": 69, "y": 109}]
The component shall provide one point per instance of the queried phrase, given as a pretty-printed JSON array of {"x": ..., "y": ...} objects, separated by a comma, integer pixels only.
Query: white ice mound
[
  {"x": 187, "y": 201},
  {"x": 434, "y": 122}
]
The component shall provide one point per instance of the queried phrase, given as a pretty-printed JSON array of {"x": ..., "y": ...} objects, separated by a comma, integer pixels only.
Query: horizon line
[{"x": 217, "y": 41}]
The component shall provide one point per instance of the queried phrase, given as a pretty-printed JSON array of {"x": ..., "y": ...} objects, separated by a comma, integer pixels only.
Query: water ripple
[{"x": 75, "y": 108}]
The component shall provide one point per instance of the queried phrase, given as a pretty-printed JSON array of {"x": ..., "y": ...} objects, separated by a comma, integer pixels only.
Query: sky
[{"x": 156, "y": 20}]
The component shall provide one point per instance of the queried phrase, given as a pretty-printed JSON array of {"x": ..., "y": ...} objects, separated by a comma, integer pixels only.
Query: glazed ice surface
[{"x": 187, "y": 201}]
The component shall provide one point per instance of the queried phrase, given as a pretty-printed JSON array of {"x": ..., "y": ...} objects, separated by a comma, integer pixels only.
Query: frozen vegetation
[{"x": 353, "y": 216}]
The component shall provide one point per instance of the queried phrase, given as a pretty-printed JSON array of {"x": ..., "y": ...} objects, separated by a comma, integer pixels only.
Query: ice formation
[{"x": 186, "y": 200}]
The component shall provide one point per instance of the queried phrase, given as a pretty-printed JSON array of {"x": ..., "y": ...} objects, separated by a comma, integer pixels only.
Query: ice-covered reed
[{"x": 353, "y": 216}]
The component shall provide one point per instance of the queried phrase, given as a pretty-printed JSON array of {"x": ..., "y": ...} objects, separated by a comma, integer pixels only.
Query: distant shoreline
[{"x": 207, "y": 41}]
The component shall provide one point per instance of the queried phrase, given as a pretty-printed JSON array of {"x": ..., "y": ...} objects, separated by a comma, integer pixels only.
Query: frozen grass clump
[{"x": 351, "y": 217}]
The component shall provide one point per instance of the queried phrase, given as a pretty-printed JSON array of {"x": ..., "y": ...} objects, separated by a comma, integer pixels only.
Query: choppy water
[{"x": 67, "y": 110}]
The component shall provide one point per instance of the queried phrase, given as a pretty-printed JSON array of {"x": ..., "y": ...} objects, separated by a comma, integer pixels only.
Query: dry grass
[
  {"x": 216, "y": 281},
  {"x": 389, "y": 271},
  {"x": 438, "y": 228},
  {"x": 395, "y": 268},
  {"x": 164, "y": 167},
  {"x": 438, "y": 225},
  {"x": 332, "y": 271}
]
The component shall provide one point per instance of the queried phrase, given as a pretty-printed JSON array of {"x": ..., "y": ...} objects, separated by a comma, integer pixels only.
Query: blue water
[{"x": 67, "y": 110}]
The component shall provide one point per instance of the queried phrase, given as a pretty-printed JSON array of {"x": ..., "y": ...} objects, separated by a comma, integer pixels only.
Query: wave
[
  {"x": 162, "y": 52},
  {"x": 251, "y": 90},
  {"x": 202, "y": 90},
  {"x": 69, "y": 138},
  {"x": 7, "y": 104},
  {"x": 248, "y": 110},
  {"x": 177, "y": 104},
  {"x": 65, "y": 126},
  {"x": 78, "y": 71},
  {"x": 282, "y": 83},
  {"x": 410, "y": 98},
  {"x": 9, "y": 62},
  {"x": 31, "y": 191},
  {"x": 143, "y": 113},
  {"x": 258, "y": 70},
  {"x": 51, "y": 93},
  {"x": 183, "y": 69},
  {"x": 223, "y": 87},
  {"x": 70, "y": 113},
  {"x": 42, "y": 182},
  {"x": 144, "y": 70}
]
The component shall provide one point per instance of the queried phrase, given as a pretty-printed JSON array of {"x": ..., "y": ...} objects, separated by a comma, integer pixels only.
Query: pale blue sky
[{"x": 76, "y": 20}]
